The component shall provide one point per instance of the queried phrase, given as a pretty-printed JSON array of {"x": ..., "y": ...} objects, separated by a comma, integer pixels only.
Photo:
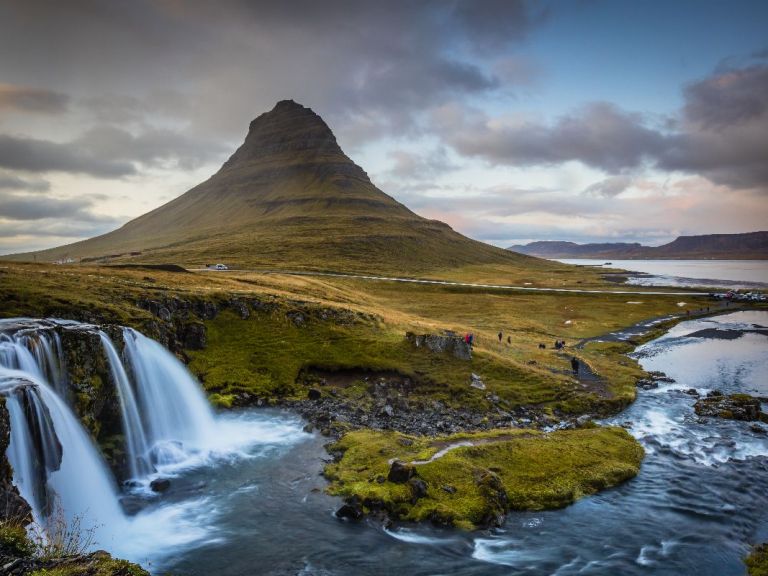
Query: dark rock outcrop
[
  {"x": 732, "y": 407},
  {"x": 442, "y": 344},
  {"x": 400, "y": 472},
  {"x": 351, "y": 510},
  {"x": 12, "y": 505}
]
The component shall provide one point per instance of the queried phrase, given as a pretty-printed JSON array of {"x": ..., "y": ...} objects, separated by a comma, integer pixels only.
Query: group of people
[{"x": 469, "y": 338}]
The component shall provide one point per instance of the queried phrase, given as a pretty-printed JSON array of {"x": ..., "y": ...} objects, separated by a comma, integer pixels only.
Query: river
[
  {"x": 705, "y": 273},
  {"x": 696, "y": 505},
  {"x": 250, "y": 498}
]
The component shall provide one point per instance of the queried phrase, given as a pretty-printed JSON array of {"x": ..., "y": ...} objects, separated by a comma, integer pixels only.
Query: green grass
[
  {"x": 264, "y": 355},
  {"x": 469, "y": 486}
]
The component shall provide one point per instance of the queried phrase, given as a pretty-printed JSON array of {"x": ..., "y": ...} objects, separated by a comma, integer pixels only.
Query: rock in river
[{"x": 732, "y": 407}]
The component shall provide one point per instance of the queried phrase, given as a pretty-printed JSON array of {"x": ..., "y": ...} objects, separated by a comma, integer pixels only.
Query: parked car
[{"x": 220, "y": 267}]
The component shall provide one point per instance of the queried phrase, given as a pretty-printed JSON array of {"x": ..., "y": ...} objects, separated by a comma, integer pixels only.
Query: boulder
[
  {"x": 400, "y": 472},
  {"x": 418, "y": 488},
  {"x": 732, "y": 407},
  {"x": 160, "y": 484},
  {"x": 476, "y": 382},
  {"x": 193, "y": 336},
  {"x": 351, "y": 510},
  {"x": 442, "y": 344},
  {"x": 240, "y": 307}
]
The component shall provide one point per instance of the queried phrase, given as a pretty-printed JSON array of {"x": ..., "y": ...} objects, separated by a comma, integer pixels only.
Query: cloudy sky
[{"x": 583, "y": 120}]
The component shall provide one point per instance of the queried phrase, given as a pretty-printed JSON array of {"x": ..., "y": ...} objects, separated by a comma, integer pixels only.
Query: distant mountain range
[
  {"x": 747, "y": 246},
  {"x": 287, "y": 198}
]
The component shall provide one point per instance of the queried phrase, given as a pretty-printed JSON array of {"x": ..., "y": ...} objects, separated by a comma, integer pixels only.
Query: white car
[{"x": 220, "y": 267}]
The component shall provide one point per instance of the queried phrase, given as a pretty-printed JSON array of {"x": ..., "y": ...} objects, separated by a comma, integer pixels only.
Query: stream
[{"x": 252, "y": 502}]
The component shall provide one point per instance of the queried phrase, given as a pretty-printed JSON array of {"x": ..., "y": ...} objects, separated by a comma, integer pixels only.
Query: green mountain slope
[{"x": 288, "y": 198}]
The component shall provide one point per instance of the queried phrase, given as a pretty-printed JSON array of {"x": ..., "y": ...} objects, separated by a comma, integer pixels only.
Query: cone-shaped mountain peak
[
  {"x": 288, "y": 198},
  {"x": 289, "y": 128}
]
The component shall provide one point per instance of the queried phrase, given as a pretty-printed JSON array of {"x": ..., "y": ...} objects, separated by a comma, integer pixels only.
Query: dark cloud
[
  {"x": 599, "y": 134},
  {"x": 25, "y": 99},
  {"x": 610, "y": 187},
  {"x": 724, "y": 132},
  {"x": 721, "y": 134},
  {"x": 33, "y": 155},
  {"x": 368, "y": 67},
  {"x": 107, "y": 152},
  {"x": 33, "y": 207},
  {"x": 730, "y": 97},
  {"x": 151, "y": 147},
  {"x": 11, "y": 182},
  {"x": 491, "y": 24}
]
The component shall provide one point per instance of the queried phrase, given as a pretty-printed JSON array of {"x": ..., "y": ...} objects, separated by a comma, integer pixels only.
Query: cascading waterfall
[
  {"x": 136, "y": 443},
  {"x": 166, "y": 401},
  {"x": 167, "y": 423},
  {"x": 56, "y": 466},
  {"x": 38, "y": 352}
]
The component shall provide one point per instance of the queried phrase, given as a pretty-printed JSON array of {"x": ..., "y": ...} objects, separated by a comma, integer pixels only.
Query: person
[
  {"x": 466, "y": 337},
  {"x": 500, "y": 336},
  {"x": 471, "y": 339},
  {"x": 509, "y": 339},
  {"x": 575, "y": 365}
]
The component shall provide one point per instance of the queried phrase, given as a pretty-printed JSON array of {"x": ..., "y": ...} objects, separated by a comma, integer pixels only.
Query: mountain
[
  {"x": 287, "y": 198},
  {"x": 747, "y": 246}
]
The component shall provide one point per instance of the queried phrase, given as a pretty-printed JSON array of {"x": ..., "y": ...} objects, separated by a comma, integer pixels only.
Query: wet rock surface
[
  {"x": 731, "y": 407},
  {"x": 334, "y": 416}
]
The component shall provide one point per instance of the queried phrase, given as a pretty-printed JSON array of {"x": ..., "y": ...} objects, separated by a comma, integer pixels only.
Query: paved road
[{"x": 449, "y": 283}]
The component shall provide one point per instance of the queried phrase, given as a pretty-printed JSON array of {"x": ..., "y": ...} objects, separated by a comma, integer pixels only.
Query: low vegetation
[
  {"x": 341, "y": 324},
  {"x": 757, "y": 561},
  {"x": 485, "y": 475},
  {"x": 62, "y": 549}
]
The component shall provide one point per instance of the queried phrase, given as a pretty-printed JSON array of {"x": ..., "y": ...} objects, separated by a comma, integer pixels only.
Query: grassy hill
[{"x": 288, "y": 198}]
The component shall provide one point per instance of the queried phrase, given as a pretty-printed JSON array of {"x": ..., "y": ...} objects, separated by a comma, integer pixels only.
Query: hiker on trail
[
  {"x": 466, "y": 338},
  {"x": 575, "y": 365},
  {"x": 500, "y": 336},
  {"x": 471, "y": 339}
]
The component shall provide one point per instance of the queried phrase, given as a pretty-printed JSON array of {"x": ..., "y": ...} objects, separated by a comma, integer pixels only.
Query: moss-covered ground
[
  {"x": 757, "y": 561},
  {"x": 469, "y": 486}
]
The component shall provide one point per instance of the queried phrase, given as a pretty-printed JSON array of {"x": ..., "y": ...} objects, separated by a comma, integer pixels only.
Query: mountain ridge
[
  {"x": 746, "y": 246},
  {"x": 288, "y": 197}
]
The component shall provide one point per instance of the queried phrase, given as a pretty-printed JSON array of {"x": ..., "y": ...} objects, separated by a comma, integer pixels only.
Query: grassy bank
[
  {"x": 337, "y": 324},
  {"x": 470, "y": 486}
]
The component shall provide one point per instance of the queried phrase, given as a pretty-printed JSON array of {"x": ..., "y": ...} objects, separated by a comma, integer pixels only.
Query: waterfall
[
  {"x": 57, "y": 468},
  {"x": 136, "y": 444},
  {"x": 166, "y": 417},
  {"x": 37, "y": 352},
  {"x": 167, "y": 424},
  {"x": 177, "y": 417}
]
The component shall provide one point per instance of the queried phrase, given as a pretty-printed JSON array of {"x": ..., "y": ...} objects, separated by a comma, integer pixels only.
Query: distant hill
[
  {"x": 288, "y": 198},
  {"x": 747, "y": 246}
]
